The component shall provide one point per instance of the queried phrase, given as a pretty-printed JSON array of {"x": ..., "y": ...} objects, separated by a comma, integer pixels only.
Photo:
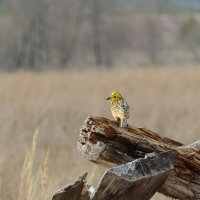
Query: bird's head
[{"x": 115, "y": 96}]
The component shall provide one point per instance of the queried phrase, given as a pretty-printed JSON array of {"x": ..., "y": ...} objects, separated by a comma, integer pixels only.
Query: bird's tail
[{"x": 124, "y": 122}]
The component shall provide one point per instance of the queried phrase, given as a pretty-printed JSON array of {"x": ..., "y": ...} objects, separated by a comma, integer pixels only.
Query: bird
[{"x": 119, "y": 108}]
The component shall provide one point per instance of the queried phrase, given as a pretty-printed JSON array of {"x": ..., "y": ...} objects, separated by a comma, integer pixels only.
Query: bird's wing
[{"x": 123, "y": 107}]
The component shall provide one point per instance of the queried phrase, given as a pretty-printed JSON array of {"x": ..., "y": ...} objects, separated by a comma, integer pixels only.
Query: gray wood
[
  {"x": 137, "y": 180},
  {"x": 102, "y": 141},
  {"x": 124, "y": 182},
  {"x": 74, "y": 191}
]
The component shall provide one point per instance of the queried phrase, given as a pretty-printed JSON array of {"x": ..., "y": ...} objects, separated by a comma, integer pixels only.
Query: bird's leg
[
  {"x": 118, "y": 121},
  {"x": 124, "y": 122},
  {"x": 121, "y": 123}
]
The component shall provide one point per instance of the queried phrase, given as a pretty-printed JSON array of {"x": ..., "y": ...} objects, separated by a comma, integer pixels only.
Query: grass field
[{"x": 56, "y": 104}]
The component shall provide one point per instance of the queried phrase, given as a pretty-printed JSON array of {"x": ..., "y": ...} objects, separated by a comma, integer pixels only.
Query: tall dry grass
[
  {"x": 33, "y": 185},
  {"x": 164, "y": 100}
]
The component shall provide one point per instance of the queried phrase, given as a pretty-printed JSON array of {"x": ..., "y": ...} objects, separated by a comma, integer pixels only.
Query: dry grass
[
  {"x": 33, "y": 186},
  {"x": 164, "y": 100}
]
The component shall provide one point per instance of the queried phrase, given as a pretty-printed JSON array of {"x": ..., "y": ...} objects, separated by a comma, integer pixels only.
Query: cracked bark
[{"x": 103, "y": 142}]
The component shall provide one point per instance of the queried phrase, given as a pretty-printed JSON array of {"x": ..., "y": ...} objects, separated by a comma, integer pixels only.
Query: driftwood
[
  {"x": 102, "y": 141},
  {"x": 138, "y": 180}
]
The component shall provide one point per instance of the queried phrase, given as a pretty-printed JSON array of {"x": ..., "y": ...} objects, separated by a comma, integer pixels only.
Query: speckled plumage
[{"x": 119, "y": 108}]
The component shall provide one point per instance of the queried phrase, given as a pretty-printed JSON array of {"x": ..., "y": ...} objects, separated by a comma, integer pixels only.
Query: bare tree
[
  {"x": 31, "y": 47},
  {"x": 154, "y": 39},
  {"x": 96, "y": 25},
  {"x": 69, "y": 29},
  {"x": 61, "y": 33}
]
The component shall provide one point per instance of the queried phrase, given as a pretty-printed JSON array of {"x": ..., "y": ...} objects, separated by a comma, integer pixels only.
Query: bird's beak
[{"x": 109, "y": 98}]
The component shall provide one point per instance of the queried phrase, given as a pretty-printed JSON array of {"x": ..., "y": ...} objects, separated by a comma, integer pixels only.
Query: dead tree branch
[{"x": 103, "y": 142}]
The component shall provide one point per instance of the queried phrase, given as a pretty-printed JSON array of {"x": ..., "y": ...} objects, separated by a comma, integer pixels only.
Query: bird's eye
[{"x": 114, "y": 96}]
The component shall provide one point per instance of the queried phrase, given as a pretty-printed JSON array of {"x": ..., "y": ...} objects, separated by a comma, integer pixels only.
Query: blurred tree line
[{"x": 40, "y": 34}]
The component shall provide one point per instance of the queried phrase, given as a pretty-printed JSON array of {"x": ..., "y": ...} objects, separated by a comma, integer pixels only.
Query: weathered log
[
  {"x": 102, "y": 141},
  {"x": 138, "y": 180}
]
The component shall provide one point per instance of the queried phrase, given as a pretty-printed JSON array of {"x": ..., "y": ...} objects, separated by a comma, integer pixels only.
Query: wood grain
[{"x": 102, "y": 141}]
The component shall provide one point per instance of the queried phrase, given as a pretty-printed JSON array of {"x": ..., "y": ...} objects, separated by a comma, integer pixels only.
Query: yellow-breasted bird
[{"x": 119, "y": 108}]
